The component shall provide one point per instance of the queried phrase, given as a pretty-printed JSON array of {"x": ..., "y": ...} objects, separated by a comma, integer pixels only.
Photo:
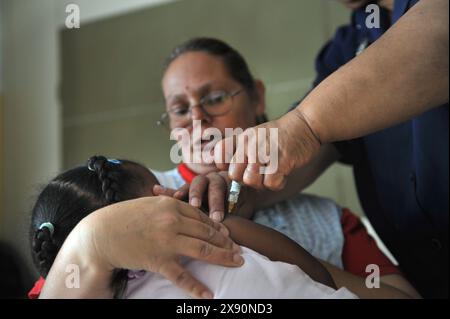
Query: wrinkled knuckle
[
  {"x": 211, "y": 233},
  {"x": 199, "y": 179},
  {"x": 194, "y": 193},
  {"x": 274, "y": 186},
  {"x": 205, "y": 250},
  {"x": 172, "y": 218},
  {"x": 165, "y": 201},
  {"x": 182, "y": 278},
  {"x": 251, "y": 180},
  {"x": 223, "y": 175},
  {"x": 211, "y": 175}
]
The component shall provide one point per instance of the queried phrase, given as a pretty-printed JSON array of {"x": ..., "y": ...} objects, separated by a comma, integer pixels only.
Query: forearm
[
  {"x": 300, "y": 178},
  {"x": 76, "y": 273},
  {"x": 402, "y": 75}
]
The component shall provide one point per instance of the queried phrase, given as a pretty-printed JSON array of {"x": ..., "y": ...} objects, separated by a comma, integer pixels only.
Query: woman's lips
[
  {"x": 209, "y": 143},
  {"x": 204, "y": 142}
]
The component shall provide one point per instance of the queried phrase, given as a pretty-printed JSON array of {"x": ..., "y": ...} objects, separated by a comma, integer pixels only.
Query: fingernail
[
  {"x": 237, "y": 248},
  {"x": 231, "y": 169},
  {"x": 237, "y": 258},
  {"x": 207, "y": 295},
  {"x": 195, "y": 202},
  {"x": 247, "y": 174},
  {"x": 217, "y": 216},
  {"x": 158, "y": 187}
]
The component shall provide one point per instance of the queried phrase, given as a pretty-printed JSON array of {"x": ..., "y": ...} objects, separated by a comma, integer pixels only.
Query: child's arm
[
  {"x": 391, "y": 286},
  {"x": 277, "y": 247}
]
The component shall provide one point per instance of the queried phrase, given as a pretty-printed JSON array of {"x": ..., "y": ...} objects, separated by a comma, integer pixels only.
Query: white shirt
[{"x": 258, "y": 278}]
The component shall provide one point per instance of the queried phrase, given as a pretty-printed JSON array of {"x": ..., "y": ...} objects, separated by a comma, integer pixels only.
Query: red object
[
  {"x": 186, "y": 173},
  {"x": 36, "y": 291},
  {"x": 360, "y": 249}
]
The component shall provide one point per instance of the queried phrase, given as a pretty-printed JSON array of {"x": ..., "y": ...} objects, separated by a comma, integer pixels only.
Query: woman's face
[{"x": 194, "y": 75}]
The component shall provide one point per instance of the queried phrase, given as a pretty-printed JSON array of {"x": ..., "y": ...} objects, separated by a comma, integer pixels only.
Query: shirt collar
[{"x": 185, "y": 172}]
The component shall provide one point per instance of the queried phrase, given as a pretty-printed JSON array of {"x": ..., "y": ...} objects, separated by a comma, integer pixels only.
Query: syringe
[{"x": 233, "y": 197}]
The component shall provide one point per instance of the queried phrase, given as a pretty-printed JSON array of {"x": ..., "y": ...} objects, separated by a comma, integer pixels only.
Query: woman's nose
[{"x": 199, "y": 114}]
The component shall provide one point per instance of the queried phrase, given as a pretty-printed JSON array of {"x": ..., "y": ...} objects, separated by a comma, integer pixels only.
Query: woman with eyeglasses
[{"x": 209, "y": 83}]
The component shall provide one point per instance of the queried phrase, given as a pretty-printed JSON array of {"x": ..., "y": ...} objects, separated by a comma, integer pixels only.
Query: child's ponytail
[{"x": 44, "y": 247}]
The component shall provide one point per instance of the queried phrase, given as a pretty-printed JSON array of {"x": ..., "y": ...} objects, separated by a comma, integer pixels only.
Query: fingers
[
  {"x": 253, "y": 177},
  {"x": 196, "y": 229},
  {"x": 197, "y": 190},
  {"x": 184, "y": 280},
  {"x": 239, "y": 161},
  {"x": 194, "y": 213},
  {"x": 249, "y": 158},
  {"x": 202, "y": 250},
  {"x": 223, "y": 152},
  {"x": 224, "y": 175},
  {"x": 275, "y": 182},
  {"x": 159, "y": 190},
  {"x": 183, "y": 192},
  {"x": 237, "y": 169},
  {"x": 217, "y": 192},
  {"x": 215, "y": 186}
]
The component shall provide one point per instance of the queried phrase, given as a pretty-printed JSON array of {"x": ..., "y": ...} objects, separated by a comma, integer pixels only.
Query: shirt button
[{"x": 436, "y": 243}]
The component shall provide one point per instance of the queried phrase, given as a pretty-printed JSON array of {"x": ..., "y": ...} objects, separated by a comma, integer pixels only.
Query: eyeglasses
[{"x": 214, "y": 104}]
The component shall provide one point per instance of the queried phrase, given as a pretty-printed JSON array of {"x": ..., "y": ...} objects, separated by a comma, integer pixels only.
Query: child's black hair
[{"x": 73, "y": 195}]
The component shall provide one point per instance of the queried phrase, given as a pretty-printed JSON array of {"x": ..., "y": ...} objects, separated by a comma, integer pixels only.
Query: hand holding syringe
[{"x": 211, "y": 191}]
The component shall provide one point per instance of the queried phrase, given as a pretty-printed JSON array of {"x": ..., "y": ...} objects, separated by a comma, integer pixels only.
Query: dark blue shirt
[{"x": 401, "y": 173}]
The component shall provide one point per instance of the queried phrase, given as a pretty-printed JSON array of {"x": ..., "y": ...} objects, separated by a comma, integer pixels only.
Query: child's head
[{"x": 76, "y": 193}]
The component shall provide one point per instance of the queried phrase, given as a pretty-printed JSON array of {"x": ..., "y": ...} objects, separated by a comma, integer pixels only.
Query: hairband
[
  {"x": 49, "y": 226},
  {"x": 114, "y": 161},
  {"x": 110, "y": 160}
]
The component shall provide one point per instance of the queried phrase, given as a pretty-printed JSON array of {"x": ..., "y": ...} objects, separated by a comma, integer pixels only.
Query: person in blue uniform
[
  {"x": 380, "y": 104},
  {"x": 401, "y": 172}
]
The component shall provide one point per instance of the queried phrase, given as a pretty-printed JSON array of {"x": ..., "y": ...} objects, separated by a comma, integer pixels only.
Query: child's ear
[{"x": 260, "y": 106}]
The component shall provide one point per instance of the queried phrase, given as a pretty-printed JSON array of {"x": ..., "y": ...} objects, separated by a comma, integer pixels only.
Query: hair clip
[
  {"x": 114, "y": 161},
  {"x": 49, "y": 226},
  {"x": 90, "y": 168}
]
